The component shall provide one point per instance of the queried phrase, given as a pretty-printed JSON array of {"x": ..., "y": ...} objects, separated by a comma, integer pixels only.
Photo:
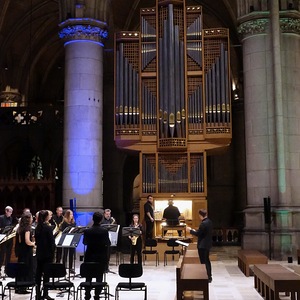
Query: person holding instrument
[
  {"x": 24, "y": 248},
  {"x": 107, "y": 218},
  {"x": 45, "y": 247},
  {"x": 136, "y": 241},
  {"x": 68, "y": 222},
  {"x": 6, "y": 248}
]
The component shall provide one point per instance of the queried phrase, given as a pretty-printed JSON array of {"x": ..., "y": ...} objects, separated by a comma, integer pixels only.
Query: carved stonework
[
  {"x": 259, "y": 26},
  {"x": 253, "y": 27},
  {"x": 290, "y": 25},
  {"x": 94, "y": 32}
]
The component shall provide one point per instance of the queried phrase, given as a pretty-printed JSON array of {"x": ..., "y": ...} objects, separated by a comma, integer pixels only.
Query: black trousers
[
  {"x": 5, "y": 253},
  {"x": 149, "y": 229},
  {"x": 204, "y": 260},
  {"x": 138, "y": 250}
]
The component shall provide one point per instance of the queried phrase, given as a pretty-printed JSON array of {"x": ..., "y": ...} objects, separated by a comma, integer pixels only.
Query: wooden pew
[
  {"x": 250, "y": 257},
  {"x": 298, "y": 256},
  {"x": 191, "y": 277},
  {"x": 272, "y": 279}
]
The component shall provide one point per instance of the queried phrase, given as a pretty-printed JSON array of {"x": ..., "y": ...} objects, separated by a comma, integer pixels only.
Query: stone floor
[{"x": 229, "y": 283}]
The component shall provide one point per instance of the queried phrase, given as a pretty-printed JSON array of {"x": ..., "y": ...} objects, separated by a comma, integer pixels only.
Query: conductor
[{"x": 97, "y": 241}]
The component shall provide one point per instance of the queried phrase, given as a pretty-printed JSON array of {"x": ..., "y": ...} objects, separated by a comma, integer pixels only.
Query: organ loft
[{"x": 172, "y": 103}]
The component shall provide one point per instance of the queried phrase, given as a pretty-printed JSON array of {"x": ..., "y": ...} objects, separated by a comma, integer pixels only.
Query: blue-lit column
[{"x": 83, "y": 114}]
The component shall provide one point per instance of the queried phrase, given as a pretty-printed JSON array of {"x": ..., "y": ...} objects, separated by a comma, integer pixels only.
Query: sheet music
[
  {"x": 2, "y": 236},
  {"x": 67, "y": 241},
  {"x": 182, "y": 243},
  {"x": 113, "y": 237}
]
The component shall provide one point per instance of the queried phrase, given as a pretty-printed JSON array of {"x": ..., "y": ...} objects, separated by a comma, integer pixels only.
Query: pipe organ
[{"x": 172, "y": 98}]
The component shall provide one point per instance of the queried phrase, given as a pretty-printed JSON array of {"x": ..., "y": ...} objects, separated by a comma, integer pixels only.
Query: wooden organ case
[{"x": 173, "y": 101}]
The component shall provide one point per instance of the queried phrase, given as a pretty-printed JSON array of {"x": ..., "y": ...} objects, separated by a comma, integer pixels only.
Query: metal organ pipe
[{"x": 217, "y": 90}]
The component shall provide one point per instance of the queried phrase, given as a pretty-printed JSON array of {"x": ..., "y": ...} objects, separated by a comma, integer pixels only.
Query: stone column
[
  {"x": 270, "y": 46},
  {"x": 83, "y": 34}
]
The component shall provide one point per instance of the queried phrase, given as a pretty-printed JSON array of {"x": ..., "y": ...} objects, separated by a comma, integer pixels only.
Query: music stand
[
  {"x": 113, "y": 233},
  {"x": 69, "y": 240},
  {"x": 111, "y": 227},
  {"x": 131, "y": 231}
]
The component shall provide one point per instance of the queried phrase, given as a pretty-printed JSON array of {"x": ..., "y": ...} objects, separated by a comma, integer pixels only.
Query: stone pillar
[
  {"x": 83, "y": 34},
  {"x": 270, "y": 47}
]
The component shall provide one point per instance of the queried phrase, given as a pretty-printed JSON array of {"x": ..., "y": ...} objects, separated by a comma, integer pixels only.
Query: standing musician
[
  {"x": 58, "y": 219},
  {"x": 107, "y": 218},
  {"x": 136, "y": 241},
  {"x": 69, "y": 221},
  {"x": 45, "y": 246},
  {"x": 6, "y": 247}
]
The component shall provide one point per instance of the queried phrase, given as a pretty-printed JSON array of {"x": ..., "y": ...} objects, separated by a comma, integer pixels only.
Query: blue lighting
[
  {"x": 83, "y": 32},
  {"x": 83, "y": 41},
  {"x": 83, "y": 219}
]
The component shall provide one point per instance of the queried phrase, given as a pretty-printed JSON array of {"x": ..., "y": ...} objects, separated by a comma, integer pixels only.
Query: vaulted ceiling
[{"x": 32, "y": 55}]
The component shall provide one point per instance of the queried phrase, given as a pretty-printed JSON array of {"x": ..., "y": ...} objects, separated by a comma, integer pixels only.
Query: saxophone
[{"x": 134, "y": 239}]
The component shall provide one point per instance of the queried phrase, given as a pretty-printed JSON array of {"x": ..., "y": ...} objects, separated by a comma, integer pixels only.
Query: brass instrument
[
  {"x": 12, "y": 233},
  {"x": 134, "y": 239}
]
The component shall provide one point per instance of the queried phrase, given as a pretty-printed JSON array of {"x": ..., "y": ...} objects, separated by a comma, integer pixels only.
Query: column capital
[
  {"x": 259, "y": 22},
  {"x": 290, "y": 25},
  {"x": 83, "y": 29},
  {"x": 253, "y": 27}
]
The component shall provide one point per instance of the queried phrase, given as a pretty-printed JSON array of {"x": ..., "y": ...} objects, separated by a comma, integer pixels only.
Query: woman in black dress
[
  {"x": 68, "y": 222},
  {"x": 45, "y": 247},
  {"x": 136, "y": 241},
  {"x": 24, "y": 247}
]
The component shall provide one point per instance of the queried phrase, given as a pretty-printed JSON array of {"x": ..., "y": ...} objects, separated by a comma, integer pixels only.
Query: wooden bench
[
  {"x": 191, "y": 257},
  {"x": 250, "y": 257},
  {"x": 191, "y": 277},
  {"x": 272, "y": 279}
]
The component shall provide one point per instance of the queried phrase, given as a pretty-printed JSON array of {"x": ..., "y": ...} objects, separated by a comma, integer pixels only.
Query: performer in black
[
  {"x": 24, "y": 248},
  {"x": 6, "y": 247},
  {"x": 97, "y": 242},
  {"x": 204, "y": 244},
  {"x": 172, "y": 214},
  {"x": 107, "y": 218},
  {"x": 149, "y": 217},
  {"x": 45, "y": 247},
  {"x": 69, "y": 221},
  {"x": 136, "y": 241},
  {"x": 57, "y": 220}
]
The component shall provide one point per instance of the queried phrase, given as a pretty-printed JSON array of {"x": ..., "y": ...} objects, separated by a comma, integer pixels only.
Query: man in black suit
[
  {"x": 204, "y": 234},
  {"x": 97, "y": 242}
]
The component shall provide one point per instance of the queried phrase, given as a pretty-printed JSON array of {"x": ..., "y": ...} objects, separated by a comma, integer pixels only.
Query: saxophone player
[
  {"x": 58, "y": 219},
  {"x": 136, "y": 241},
  {"x": 6, "y": 220},
  {"x": 107, "y": 218}
]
